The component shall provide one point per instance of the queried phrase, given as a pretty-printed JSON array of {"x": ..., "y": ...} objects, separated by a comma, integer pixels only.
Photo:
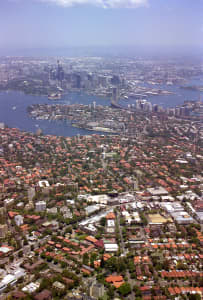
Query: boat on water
[
  {"x": 14, "y": 108},
  {"x": 54, "y": 96}
]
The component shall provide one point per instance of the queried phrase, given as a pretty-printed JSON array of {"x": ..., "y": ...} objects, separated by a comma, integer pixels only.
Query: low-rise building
[
  {"x": 96, "y": 290},
  {"x": 157, "y": 191},
  {"x": 31, "y": 287},
  {"x": 58, "y": 286},
  {"x": 19, "y": 220},
  {"x": 111, "y": 247},
  {"x": 101, "y": 199},
  {"x": 91, "y": 209},
  {"x": 182, "y": 217},
  {"x": 3, "y": 230},
  {"x": 40, "y": 206}
]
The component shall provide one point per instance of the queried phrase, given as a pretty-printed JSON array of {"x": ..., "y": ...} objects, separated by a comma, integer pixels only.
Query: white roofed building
[
  {"x": 111, "y": 247},
  {"x": 101, "y": 199}
]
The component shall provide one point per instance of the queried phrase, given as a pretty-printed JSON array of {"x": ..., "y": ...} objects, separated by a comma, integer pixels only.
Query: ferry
[{"x": 54, "y": 96}]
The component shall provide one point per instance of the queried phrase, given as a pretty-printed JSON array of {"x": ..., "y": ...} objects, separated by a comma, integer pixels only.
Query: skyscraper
[
  {"x": 115, "y": 95},
  {"x": 60, "y": 72}
]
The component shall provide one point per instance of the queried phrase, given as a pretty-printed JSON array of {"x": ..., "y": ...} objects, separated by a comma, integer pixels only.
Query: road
[{"x": 122, "y": 244}]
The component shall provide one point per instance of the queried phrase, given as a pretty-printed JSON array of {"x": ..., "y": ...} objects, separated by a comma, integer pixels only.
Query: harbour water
[
  {"x": 13, "y": 112},
  {"x": 13, "y": 108},
  {"x": 179, "y": 94}
]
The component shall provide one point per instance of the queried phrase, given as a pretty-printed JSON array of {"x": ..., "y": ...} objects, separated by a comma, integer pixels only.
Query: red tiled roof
[
  {"x": 145, "y": 288},
  {"x": 86, "y": 271},
  {"x": 110, "y": 215},
  {"x": 91, "y": 239},
  {"x": 118, "y": 284},
  {"x": 112, "y": 278},
  {"x": 12, "y": 214},
  {"x": 99, "y": 244}
]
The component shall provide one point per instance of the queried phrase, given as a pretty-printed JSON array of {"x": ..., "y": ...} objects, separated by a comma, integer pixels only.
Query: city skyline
[{"x": 87, "y": 23}]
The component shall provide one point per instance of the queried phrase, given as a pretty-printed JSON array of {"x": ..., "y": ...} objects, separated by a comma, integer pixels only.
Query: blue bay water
[
  {"x": 180, "y": 95},
  {"x": 13, "y": 107},
  {"x": 13, "y": 112}
]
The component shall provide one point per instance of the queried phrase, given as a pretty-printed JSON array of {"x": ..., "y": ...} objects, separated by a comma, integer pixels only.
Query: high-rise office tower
[
  {"x": 60, "y": 72},
  {"x": 115, "y": 95}
]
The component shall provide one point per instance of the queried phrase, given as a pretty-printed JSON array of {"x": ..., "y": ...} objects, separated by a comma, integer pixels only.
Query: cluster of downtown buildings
[
  {"x": 190, "y": 109},
  {"x": 133, "y": 78}
]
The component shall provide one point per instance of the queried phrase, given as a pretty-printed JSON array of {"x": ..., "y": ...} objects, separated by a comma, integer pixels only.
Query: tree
[
  {"x": 121, "y": 265},
  {"x": 103, "y": 221},
  {"x": 194, "y": 297},
  {"x": 124, "y": 289},
  {"x": 93, "y": 257},
  {"x": 11, "y": 258},
  {"x": 111, "y": 264},
  {"x": 110, "y": 292},
  {"x": 63, "y": 264},
  {"x": 20, "y": 253},
  {"x": 45, "y": 284},
  {"x": 143, "y": 218},
  {"x": 49, "y": 258},
  {"x": 68, "y": 229},
  {"x": 85, "y": 259},
  {"x": 137, "y": 291},
  {"x": 25, "y": 241}
]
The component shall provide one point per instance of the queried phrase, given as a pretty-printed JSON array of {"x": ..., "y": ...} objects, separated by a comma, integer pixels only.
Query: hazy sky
[{"x": 62, "y": 23}]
